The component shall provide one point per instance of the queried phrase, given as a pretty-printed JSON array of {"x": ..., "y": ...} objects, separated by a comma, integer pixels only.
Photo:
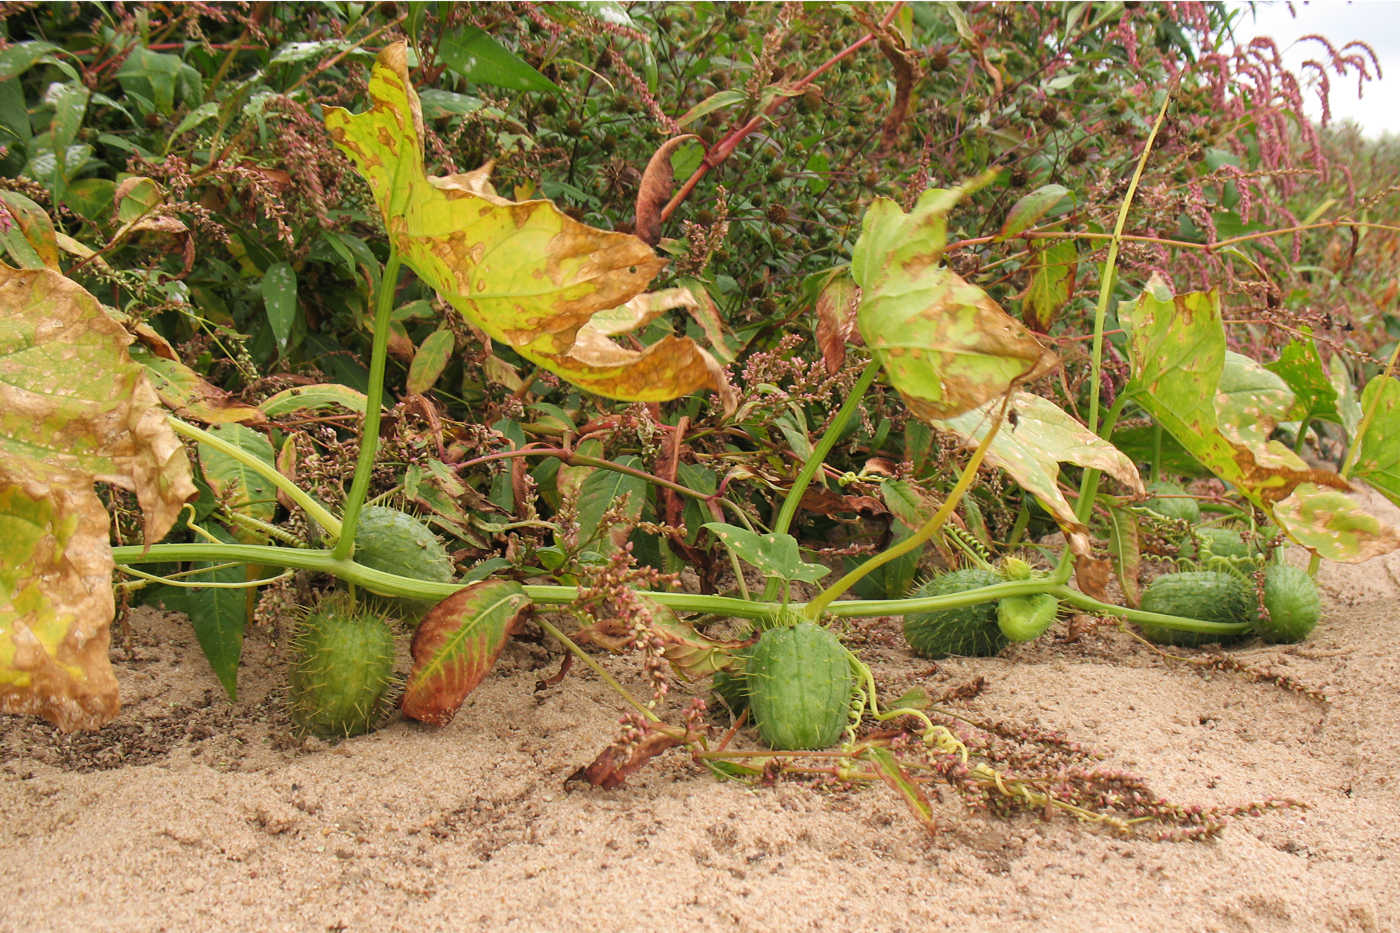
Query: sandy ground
[{"x": 189, "y": 812}]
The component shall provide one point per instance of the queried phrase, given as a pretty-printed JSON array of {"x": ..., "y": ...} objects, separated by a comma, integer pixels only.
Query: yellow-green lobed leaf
[
  {"x": 1221, "y": 410},
  {"x": 524, "y": 272},
  {"x": 1032, "y": 448},
  {"x": 74, "y": 409},
  {"x": 945, "y": 345}
]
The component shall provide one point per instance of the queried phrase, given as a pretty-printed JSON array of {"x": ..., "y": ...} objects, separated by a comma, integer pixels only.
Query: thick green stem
[
  {"x": 369, "y": 437},
  {"x": 320, "y": 560},
  {"x": 814, "y": 609},
  {"x": 819, "y": 453},
  {"x": 317, "y": 512},
  {"x": 823, "y": 447}
]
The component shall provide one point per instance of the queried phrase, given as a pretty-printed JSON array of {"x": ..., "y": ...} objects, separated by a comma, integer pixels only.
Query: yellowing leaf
[
  {"x": 1222, "y": 408},
  {"x": 945, "y": 345},
  {"x": 56, "y": 599},
  {"x": 1038, "y": 438},
  {"x": 74, "y": 409},
  {"x": 524, "y": 272},
  {"x": 456, "y": 644}
]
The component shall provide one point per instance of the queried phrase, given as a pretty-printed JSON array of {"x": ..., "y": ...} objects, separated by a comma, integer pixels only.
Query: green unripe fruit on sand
[
  {"x": 967, "y": 630},
  {"x": 1207, "y": 595},
  {"x": 800, "y": 685},
  {"x": 1025, "y": 618},
  {"x": 342, "y": 668},
  {"x": 1294, "y": 607}
]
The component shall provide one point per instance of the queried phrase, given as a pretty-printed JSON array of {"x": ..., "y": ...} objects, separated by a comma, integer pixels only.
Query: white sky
[{"x": 1376, "y": 22}]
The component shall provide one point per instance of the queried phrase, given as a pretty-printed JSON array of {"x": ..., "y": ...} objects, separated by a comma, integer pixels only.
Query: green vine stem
[
  {"x": 319, "y": 560},
  {"x": 314, "y": 510},
  {"x": 823, "y": 447},
  {"x": 369, "y": 436}
]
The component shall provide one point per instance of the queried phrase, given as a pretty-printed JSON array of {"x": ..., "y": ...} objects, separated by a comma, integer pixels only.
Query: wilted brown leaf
[{"x": 655, "y": 190}]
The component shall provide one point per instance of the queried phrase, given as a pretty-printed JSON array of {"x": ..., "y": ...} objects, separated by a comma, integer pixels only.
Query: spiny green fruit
[
  {"x": 1294, "y": 607},
  {"x": 342, "y": 668},
  {"x": 800, "y": 686},
  {"x": 396, "y": 542},
  {"x": 731, "y": 685},
  {"x": 1171, "y": 501},
  {"x": 1208, "y": 595},
  {"x": 967, "y": 630},
  {"x": 1220, "y": 542},
  {"x": 1025, "y": 618}
]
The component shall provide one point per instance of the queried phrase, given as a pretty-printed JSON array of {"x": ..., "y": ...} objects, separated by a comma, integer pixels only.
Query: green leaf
[
  {"x": 1378, "y": 461},
  {"x": 1039, "y": 437},
  {"x": 279, "y": 292},
  {"x": 30, "y": 239},
  {"x": 74, "y": 409},
  {"x": 219, "y": 616},
  {"x": 1176, "y": 346},
  {"x": 480, "y": 59},
  {"x": 1314, "y": 395},
  {"x": 716, "y": 101},
  {"x": 889, "y": 770},
  {"x": 1124, "y": 546},
  {"x": 16, "y": 59},
  {"x": 1026, "y": 212},
  {"x": 456, "y": 645},
  {"x": 1053, "y": 271},
  {"x": 603, "y": 489},
  {"x": 313, "y": 398},
  {"x": 1250, "y": 401},
  {"x": 184, "y": 391},
  {"x": 774, "y": 555},
  {"x": 235, "y": 484},
  {"x": 908, "y": 510},
  {"x": 945, "y": 345},
  {"x": 523, "y": 272},
  {"x": 429, "y": 361}
]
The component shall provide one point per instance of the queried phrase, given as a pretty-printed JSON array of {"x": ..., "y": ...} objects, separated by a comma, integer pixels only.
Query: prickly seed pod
[{"x": 342, "y": 668}]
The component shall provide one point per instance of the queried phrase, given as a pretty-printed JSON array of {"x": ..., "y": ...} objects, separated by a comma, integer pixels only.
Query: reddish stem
[{"x": 726, "y": 146}]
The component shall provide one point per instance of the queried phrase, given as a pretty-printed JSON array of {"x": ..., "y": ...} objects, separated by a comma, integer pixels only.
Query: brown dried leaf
[
  {"x": 655, "y": 190},
  {"x": 837, "y": 304}
]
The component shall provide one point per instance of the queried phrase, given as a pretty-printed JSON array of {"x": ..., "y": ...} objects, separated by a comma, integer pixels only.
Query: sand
[{"x": 190, "y": 812}]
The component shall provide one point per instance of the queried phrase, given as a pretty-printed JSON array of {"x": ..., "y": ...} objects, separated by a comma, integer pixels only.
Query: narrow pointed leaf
[
  {"x": 218, "y": 616},
  {"x": 888, "y": 769},
  {"x": 1026, "y": 212},
  {"x": 235, "y": 484},
  {"x": 187, "y": 393},
  {"x": 429, "y": 361},
  {"x": 313, "y": 398},
  {"x": 1032, "y": 448},
  {"x": 474, "y": 55},
  {"x": 456, "y": 645},
  {"x": 524, "y": 272},
  {"x": 279, "y": 292},
  {"x": 1124, "y": 546},
  {"x": 945, "y": 345},
  {"x": 603, "y": 489}
]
